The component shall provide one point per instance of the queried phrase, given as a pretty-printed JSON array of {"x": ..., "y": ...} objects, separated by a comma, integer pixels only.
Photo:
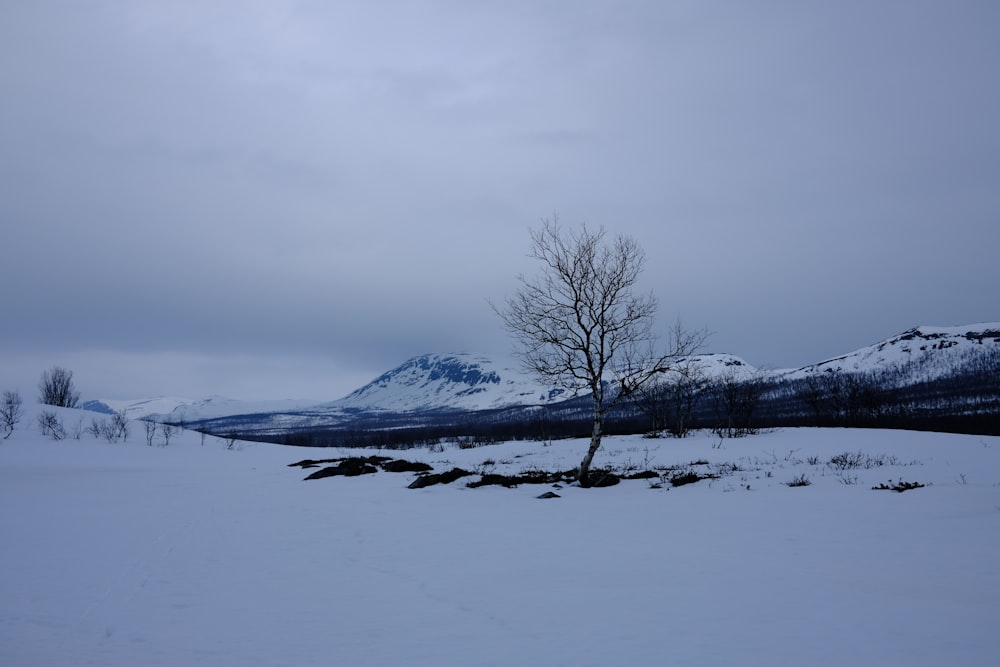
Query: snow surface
[{"x": 192, "y": 554}]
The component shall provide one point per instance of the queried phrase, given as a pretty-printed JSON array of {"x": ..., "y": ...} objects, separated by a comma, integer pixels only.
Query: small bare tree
[
  {"x": 56, "y": 388},
  {"x": 168, "y": 431},
  {"x": 50, "y": 425},
  {"x": 231, "y": 439},
  {"x": 96, "y": 428},
  {"x": 579, "y": 324},
  {"x": 150, "y": 427},
  {"x": 117, "y": 428},
  {"x": 11, "y": 412}
]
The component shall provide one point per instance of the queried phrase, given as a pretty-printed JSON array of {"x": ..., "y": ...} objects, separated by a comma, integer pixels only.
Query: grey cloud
[{"x": 349, "y": 183}]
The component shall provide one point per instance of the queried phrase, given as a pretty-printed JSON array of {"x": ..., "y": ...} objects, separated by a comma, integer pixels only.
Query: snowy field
[{"x": 192, "y": 554}]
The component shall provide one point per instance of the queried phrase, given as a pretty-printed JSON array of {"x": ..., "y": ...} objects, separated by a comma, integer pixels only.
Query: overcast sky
[{"x": 284, "y": 199}]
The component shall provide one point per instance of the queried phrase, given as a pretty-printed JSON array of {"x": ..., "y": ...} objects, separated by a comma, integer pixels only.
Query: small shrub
[
  {"x": 801, "y": 480},
  {"x": 847, "y": 480},
  {"x": 859, "y": 459},
  {"x": 847, "y": 460},
  {"x": 96, "y": 428}
]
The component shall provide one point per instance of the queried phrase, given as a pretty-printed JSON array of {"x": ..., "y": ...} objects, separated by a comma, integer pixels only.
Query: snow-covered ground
[{"x": 192, "y": 554}]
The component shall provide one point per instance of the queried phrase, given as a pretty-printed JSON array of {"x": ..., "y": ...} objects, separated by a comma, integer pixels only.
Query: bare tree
[
  {"x": 689, "y": 382},
  {"x": 117, "y": 428},
  {"x": 579, "y": 324},
  {"x": 96, "y": 428},
  {"x": 654, "y": 401},
  {"x": 168, "y": 431},
  {"x": 736, "y": 395},
  {"x": 50, "y": 425},
  {"x": 150, "y": 427},
  {"x": 56, "y": 388},
  {"x": 11, "y": 412}
]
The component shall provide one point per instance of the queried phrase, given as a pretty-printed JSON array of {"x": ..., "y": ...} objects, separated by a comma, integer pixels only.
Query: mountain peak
[{"x": 447, "y": 381}]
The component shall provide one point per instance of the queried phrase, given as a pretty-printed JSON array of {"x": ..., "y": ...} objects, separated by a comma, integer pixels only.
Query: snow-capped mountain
[
  {"x": 449, "y": 381},
  {"x": 921, "y": 354}
]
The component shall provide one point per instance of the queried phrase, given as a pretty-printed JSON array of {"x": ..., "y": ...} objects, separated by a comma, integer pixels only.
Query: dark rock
[
  {"x": 309, "y": 463},
  {"x": 329, "y": 471},
  {"x": 493, "y": 479},
  {"x": 439, "y": 478},
  {"x": 400, "y": 465},
  {"x": 351, "y": 467},
  {"x": 549, "y": 494}
]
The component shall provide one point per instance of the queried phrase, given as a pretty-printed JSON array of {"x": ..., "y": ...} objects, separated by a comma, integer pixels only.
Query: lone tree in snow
[
  {"x": 56, "y": 388},
  {"x": 579, "y": 324},
  {"x": 11, "y": 412}
]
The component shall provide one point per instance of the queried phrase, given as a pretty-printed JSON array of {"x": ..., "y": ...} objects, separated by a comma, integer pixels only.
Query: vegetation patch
[
  {"x": 688, "y": 477},
  {"x": 801, "y": 480},
  {"x": 899, "y": 486},
  {"x": 859, "y": 459}
]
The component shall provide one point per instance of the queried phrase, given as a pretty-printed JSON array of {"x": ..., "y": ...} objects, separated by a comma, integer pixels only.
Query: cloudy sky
[{"x": 283, "y": 199}]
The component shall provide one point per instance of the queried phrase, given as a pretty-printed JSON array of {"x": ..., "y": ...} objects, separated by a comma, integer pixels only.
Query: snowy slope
[
  {"x": 122, "y": 554},
  {"x": 182, "y": 410},
  {"x": 924, "y": 353},
  {"x": 450, "y": 381},
  {"x": 716, "y": 365}
]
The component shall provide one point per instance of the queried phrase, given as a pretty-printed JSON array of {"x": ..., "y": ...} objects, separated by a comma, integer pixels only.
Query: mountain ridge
[{"x": 474, "y": 382}]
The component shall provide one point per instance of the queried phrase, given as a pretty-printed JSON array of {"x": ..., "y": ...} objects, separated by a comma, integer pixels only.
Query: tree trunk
[{"x": 595, "y": 443}]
